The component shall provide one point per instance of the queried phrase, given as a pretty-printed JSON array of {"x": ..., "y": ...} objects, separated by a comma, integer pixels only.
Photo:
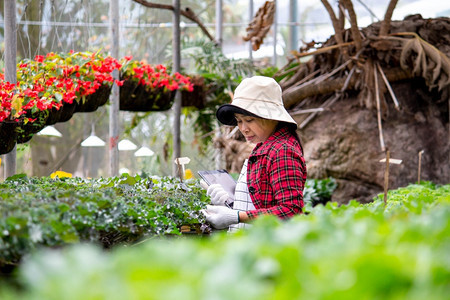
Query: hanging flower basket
[
  {"x": 63, "y": 114},
  {"x": 136, "y": 97},
  {"x": 93, "y": 101},
  {"x": 149, "y": 88},
  {"x": 197, "y": 97},
  {"x": 8, "y": 135},
  {"x": 28, "y": 128}
]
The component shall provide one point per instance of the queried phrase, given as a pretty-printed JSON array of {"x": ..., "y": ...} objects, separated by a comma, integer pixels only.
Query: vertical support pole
[
  {"x": 275, "y": 31},
  {"x": 250, "y": 17},
  {"x": 10, "y": 68},
  {"x": 219, "y": 23},
  {"x": 176, "y": 68},
  {"x": 219, "y": 39},
  {"x": 114, "y": 98},
  {"x": 293, "y": 30}
]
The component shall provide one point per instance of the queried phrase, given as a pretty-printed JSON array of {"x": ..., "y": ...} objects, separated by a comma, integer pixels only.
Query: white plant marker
[{"x": 181, "y": 162}]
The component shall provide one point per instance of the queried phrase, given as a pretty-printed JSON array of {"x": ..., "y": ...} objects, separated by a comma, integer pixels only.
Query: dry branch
[
  {"x": 334, "y": 21},
  {"x": 302, "y": 81},
  {"x": 321, "y": 50},
  {"x": 260, "y": 25},
  {"x": 430, "y": 63},
  {"x": 377, "y": 98},
  {"x": 386, "y": 82},
  {"x": 331, "y": 101},
  {"x": 306, "y": 111},
  {"x": 296, "y": 95},
  {"x": 188, "y": 13},
  {"x": 386, "y": 24},
  {"x": 354, "y": 25}
]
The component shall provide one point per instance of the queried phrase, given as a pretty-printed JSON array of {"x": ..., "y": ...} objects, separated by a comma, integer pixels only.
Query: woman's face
[{"x": 255, "y": 130}]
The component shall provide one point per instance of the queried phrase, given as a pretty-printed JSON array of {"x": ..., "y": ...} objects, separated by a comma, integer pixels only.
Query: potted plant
[{"x": 149, "y": 88}]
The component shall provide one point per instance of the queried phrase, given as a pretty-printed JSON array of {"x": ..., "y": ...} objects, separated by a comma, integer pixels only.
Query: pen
[{"x": 227, "y": 204}]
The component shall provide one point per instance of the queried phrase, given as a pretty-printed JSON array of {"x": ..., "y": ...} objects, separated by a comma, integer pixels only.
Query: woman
[{"x": 273, "y": 177}]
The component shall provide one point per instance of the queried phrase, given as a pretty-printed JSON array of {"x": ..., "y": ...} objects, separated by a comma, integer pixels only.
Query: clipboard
[{"x": 221, "y": 177}]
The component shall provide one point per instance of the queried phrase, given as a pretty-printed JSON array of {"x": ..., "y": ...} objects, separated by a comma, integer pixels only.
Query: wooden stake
[
  {"x": 179, "y": 169},
  {"x": 180, "y": 162},
  {"x": 386, "y": 176},
  {"x": 420, "y": 166}
]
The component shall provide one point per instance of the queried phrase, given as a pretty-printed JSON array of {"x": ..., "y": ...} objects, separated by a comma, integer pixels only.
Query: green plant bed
[
  {"x": 354, "y": 251},
  {"x": 38, "y": 212}
]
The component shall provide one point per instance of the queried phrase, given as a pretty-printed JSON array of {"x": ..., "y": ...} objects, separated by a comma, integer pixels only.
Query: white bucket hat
[{"x": 257, "y": 96}]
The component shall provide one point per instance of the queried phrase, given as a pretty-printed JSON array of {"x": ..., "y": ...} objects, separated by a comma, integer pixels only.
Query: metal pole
[
  {"x": 10, "y": 68},
  {"x": 293, "y": 19},
  {"x": 218, "y": 161},
  {"x": 219, "y": 23},
  {"x": 176, "y": 68},
  {"x": 275, "y": 29},
  {"x": 114, "y": 98},
  {"x": 250, "y": 17}
]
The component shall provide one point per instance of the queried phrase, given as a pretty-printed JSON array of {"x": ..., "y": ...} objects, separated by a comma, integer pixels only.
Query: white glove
[
  {"x": 220, "y": 217},
  {"x": 218, "y": 195}
]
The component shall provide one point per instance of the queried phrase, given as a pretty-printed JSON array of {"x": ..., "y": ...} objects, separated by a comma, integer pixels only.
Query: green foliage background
[{"x": 354, "y": 251}]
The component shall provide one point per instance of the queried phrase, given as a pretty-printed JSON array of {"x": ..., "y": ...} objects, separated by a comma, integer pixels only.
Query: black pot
[
  {"x": 95, "y": 100},
  {"x": 196, "y": 98},
  {"x": 65, "y": 112},
  {"x": 8, "y": 135},
  {"x": 26, "y": 131},
  {"x": 134, "y": 97}
]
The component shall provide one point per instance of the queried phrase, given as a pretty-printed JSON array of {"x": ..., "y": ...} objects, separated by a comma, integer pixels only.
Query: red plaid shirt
[{"x": 276, "y": 175}]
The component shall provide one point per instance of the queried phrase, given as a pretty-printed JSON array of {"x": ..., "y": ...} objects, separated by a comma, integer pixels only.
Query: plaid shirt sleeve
[{"x": 276, "y": 180}]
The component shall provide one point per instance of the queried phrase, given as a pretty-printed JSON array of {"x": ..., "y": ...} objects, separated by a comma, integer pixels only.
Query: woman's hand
[
  {"x": 218, "y": 195},
  {"x": 221, "y": 217}
]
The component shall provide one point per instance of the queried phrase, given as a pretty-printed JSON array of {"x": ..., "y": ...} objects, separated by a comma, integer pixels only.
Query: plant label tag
[
  {"x": 182, "y": 160},
  {"x": 392, "y": 161}
]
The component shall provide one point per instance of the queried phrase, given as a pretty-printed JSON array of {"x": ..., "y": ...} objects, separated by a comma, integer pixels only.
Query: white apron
[{"x": 242, "y": 200}]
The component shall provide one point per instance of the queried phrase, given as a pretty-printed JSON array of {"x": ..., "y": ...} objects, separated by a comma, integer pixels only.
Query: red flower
[{"x": 39, "y": 58}]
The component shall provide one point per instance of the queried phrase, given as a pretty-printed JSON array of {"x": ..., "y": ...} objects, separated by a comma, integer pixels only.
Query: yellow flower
[
  {"x": 61, "y": 174},
  {"x": 188, "y": 174}
]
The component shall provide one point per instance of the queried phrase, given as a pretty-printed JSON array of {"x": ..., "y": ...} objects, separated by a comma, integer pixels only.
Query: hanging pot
[
  {"x": 131, "y": 97},
  {"x": 63, "y": 114},
  {"x": 127, "y": 90},
  {"x": 53, "y": 116},
  {"x": 196, "y": 98},
  {"x": 8, "y": 135},
  {"x": 67, "y": 111},
  {"x": 91, "y": 102},
  {"x": 27, "y": 130},
  {"x": 135, "y": 97},
  {"x": 163, "y": 101}
]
